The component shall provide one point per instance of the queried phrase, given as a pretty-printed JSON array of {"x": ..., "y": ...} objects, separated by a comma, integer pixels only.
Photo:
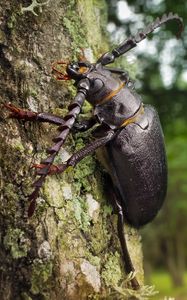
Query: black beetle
[{"x": 130, "y": 131}]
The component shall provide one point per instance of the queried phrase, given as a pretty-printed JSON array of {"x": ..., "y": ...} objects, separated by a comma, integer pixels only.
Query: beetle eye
[
  {"x": 83, "y": 70},
  {"x": 80, "y": 69}
]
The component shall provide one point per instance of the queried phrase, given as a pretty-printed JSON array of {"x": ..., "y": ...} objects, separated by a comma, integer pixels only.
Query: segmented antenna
[
  {"x": 74, "y": 110},
  {"x": 159, "y": 22},
  {"x": 141, "y": 35}
]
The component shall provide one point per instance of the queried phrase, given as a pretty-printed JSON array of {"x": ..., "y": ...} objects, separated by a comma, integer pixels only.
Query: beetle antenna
[
  {"x": 69, "y": 120},
  {"x": 132, "y": 42},
  {"x": 141, "y": 35}
]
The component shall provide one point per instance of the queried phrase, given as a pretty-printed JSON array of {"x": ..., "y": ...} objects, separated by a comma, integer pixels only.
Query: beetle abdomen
[{"x": 138, "y": 164}]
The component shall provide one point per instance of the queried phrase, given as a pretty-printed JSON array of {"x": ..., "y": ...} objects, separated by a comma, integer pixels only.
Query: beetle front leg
[
  {"x": 42, "y": 117},
  {"x": 26, "y": 115}
]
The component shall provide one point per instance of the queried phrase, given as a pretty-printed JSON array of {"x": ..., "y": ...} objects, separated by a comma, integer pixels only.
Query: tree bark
[{"x": 69, "y": 249}]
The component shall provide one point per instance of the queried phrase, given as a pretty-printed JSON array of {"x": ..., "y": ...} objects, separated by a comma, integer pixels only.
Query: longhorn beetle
[{"x": 129, "y": 131}]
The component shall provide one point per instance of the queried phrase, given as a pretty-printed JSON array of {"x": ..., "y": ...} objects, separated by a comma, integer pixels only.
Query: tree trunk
[{"x": 69, "y": 249}]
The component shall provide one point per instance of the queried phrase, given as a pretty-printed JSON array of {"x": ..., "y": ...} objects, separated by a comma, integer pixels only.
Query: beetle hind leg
[
  {"x": 126, "y": 256},
  {"x": 128, "y": 265}
]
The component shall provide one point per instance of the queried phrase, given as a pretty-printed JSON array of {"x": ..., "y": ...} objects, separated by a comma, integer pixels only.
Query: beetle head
[
  {"x": 74, "y": 70},
  {"x": 78, "y": 70}
]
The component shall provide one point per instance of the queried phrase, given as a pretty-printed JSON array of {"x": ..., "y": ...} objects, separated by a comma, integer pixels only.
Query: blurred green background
[{"x": 160, "y": 65}]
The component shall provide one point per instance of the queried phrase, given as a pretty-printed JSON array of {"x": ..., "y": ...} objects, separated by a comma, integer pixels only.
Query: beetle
[{"x": 129, "y": 133}]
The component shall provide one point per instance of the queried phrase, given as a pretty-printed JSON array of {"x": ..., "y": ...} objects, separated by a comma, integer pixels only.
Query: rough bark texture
[{"x": 69, "y": 249}]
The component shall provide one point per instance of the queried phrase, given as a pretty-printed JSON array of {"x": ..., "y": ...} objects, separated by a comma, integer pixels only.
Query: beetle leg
[
  {"x": 18, "y": 113},
  {"x": 49, "y": 118},
  {"x": 121, "y": 234},
  {"x": 90, "y": 148},
  {"x": 52, "y": 170},
  {"x": 72, "y": 161},
  {"x": 128, "y": 263},
  {"x": 26, "y": 115},
  {"x": 76, "y": 157}
]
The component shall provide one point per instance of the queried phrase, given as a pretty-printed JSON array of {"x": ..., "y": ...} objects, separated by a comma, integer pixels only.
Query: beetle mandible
[{"x": 129, "y": 131}]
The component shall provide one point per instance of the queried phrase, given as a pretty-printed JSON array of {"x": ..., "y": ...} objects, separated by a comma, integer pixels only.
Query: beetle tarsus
[
  {"x": 53, "y": 169},
  {"x": 27, "y": 115},
  {"x": 134, "y": 283},
  {"x": 18, "y": 113}
]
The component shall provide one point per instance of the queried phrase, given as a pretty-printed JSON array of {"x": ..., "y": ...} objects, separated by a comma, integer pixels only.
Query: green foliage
[
  {"x": 163, "y": 283},
  {"x": 176, "y": 142}
]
